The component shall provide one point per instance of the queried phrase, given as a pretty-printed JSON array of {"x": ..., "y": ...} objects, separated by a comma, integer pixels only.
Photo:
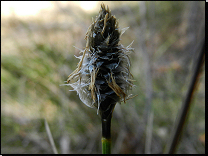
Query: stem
[
  {"x": 50, "y": 137},
  {"x": 106, "y": 134},
  {"x": 106, "y": 146},
  {"x": 183, "y": 114}
]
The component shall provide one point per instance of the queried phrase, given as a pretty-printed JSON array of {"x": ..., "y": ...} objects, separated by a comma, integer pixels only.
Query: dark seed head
[{"x": 102, "y": 77}]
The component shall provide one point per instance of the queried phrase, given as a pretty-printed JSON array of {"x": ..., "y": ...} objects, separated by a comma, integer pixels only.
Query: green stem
[
  {"x": 106, "y": 134},
  {"x": 106, "y": 146}
]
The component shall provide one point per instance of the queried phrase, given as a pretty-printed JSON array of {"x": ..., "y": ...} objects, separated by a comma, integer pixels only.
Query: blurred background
[{"x": 38, "y": 44}]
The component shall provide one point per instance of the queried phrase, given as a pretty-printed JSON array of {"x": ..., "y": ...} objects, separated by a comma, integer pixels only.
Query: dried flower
[{"x": 102, "y": 77}]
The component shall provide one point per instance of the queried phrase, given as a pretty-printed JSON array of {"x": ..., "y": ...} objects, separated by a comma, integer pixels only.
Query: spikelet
[{"x": 102, "y": 77}]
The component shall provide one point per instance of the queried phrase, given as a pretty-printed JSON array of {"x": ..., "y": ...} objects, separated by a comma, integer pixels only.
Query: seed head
[{"x": 102, "y": 77}]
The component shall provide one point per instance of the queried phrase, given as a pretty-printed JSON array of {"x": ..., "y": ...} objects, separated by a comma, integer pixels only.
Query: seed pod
[{"x": 102, "y": 77}]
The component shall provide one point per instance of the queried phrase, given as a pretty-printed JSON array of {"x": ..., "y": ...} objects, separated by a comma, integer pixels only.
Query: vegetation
[{"x": 37, "y": 55}]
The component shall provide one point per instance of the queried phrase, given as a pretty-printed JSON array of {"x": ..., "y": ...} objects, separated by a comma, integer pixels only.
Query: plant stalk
[
  {"x": 183, "y": 114},
  {"x": 50, "y": 137},
  {"x": 106, "y": 134}
]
